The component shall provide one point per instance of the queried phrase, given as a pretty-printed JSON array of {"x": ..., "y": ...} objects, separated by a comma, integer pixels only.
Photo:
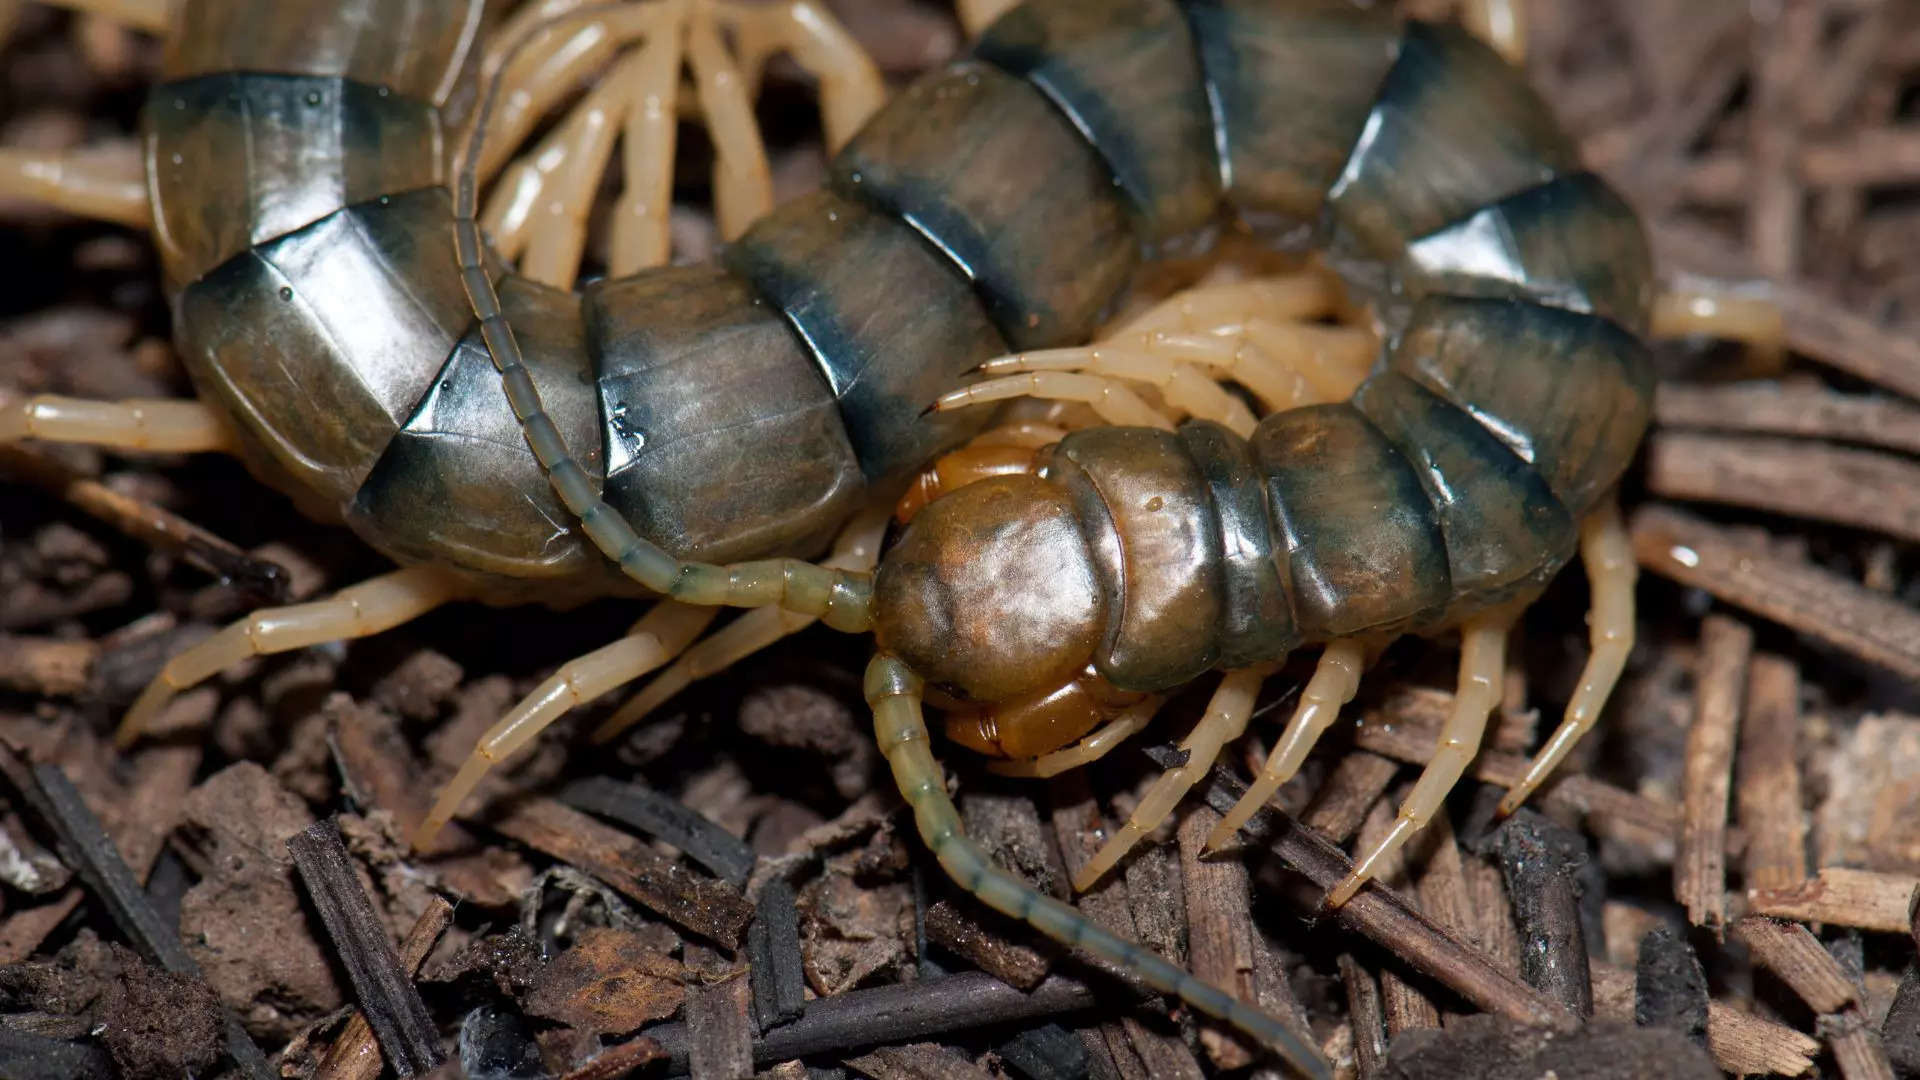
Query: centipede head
[{"x": 991, "y": 592}]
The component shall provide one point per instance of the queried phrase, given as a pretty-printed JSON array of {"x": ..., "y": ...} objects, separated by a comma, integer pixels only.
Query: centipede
[{"x": 695, "y": 433}]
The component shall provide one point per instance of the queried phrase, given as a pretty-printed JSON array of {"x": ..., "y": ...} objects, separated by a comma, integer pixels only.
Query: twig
[
  {"x": 1768, "y": 791},
  {"x": 355, "y": 1054},
  {"x": 773, "y": 950},
  {"x": 1791, "y": 952},
  {"x": 1803, "y": 409},
  {"x": 897, "y": 1013},
  {"x": 1700, "y": 869},
  {"x": 259, "y": 579},
  {"x": 1539, "y": 876},
  {"x": 1792, "y": 592},
  {"x": 1860, "y": 488},
  {"x": 1742, "y": 1043},
  {"x": 388, "y": 998},
  {"x": 1864, "y": 899},
  {"x": 1669, "y": 985},
  {"x": 720, "y": 1029},
  {"x": 641, "y": 808},
  {"x": 1363, "y": 1013},
  {"x": 1349, "y": 791},
  {"x": 706, "y": 906},
  {"x": 1383, "y": 916}
]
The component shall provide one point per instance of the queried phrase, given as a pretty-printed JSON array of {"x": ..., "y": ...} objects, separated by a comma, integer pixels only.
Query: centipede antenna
[
  {"x": 894, "y": 691},
  {"x": 840, "y": 598}
]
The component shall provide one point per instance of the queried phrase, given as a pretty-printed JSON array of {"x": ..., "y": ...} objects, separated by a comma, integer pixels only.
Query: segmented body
[{"x": 1001, "y": 203}]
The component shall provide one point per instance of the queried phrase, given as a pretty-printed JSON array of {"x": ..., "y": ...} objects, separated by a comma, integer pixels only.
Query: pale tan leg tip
[{"x": 1338, "y": 896}]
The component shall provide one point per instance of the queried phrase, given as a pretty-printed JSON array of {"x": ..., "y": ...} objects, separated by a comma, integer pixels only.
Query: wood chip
[
  {"x": 1768, "y": 770},
  {"x": 1864, "y": 489},
  {"x": 919, "y": 1061},
  {"x": 778, "y": 971},
  {"x": 706, "y": 906},
  {"x": 1538, "y": 867},
  {"x": 1670, "y": 987},
  {"x": 720, "y": 1030},
  {"x": 1700, "y": 870},
  {"x": 1349, "y": 791},
  {"x": 385, "y": 990},
  {"x": 1841, "y": 896}
]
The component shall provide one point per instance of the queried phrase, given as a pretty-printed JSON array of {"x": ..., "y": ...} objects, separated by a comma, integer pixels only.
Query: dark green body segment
[
  {"x": 1453, "y": 129},
  {"x": 1570, "y": 393},
  {"x": 1571, "y": 242},
  {"x": 989, "y": 172},
  {"x": 456, "y": 483},
  {"x": 1364, "y": 548},
  {"x": 839, "y": 271},
  {"x": 1505, "y": 532},
  {"x": 1290, "y": 85},
  {"x": 1163, "y": 579},
  {"x": 240, "y": 159},
  {"x": 319, "y": 342},
  {"x": 723, "y": 439},
  {"x": 1256, "y": 617},
  {"x": 1126, "y": 74}
]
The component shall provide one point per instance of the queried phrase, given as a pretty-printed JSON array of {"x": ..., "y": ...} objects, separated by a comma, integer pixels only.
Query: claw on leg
[
  {"x": 657, "y": 638},
  {"x": 1225, "y": 720},
  {"x": 1335, "y": 680},
  {"x": 354, "y": 612},
  {"x": 1483, "y": 645},
  {"x": 1607, "y": 553}
]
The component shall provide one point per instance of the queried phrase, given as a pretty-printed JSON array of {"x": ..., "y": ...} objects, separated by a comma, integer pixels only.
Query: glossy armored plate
[
  {"x": 1166, "y": 591},
  {"x": 1364, "y": 545},
  {"x": 413, "y": 47},
  {"x": 839, "y": 270},
  {"x": 1125, "y": 72},
  {"x": 457, "y": 483},
  {"x": 1455, "y": 128},
  {"x": 1571, "y": 242},
  {"x": 1256, "y": 622},
  {"x": 1290, "y": 83},
  {"x": 236, "y": 160},
  {"x": 993, "y": 175},
  {"x": 723, "y": 440},
  {"x": 1569, "y": 392},
  {"x": 321, "y": 342},
  {"x": 1506, "y": 533}
]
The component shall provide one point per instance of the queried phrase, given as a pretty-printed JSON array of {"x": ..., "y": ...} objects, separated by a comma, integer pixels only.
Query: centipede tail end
[{"x": 894, "y": 693}]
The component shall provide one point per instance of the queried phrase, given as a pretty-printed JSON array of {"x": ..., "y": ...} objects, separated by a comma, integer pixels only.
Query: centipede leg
[
  {"x": 1335, "y": 679},
  {"x": 107, "y": 182},
  {"x": 1092, "y": 748},
  {"x": 152, "y": 425},
  {"x": 1225, "y": 720},
  {"x": 851, "y": 89},
  {"x": 858, "y": 548},
  {"x": 742, "y": 182},
  {"x": 1607, "y": 555},
  {"x": 1483, "y": 645},
  {"x": 1112, "y": 399},
  {"x": 894, "y": 693},
  {"x": 1721, "y": 310},
  {"x": 656, "y": 639},
  {"x": 354, "y": 612},
  {"x": 1501, "y": 24},
  {"x": 977, "y": 15}
]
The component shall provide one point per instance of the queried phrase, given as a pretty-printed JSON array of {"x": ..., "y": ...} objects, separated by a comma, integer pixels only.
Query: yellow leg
[
  {"x": 148, "y": 425},
  {"x": 851, "y": 89},
  {"x": 742, "y": 182},
  {"x": 1090, "y": 749},
  {"x": 354, "y": 612},
  {"x": 1335, "y": 679},
  {"x": 107, "y": 182},
  {"x": 1483, "y": 645},
  {"x": 656, "y": 639},
  {"x": 1112, "y": 399},
  {"x": 1182, "y": 385},
  {"x": 1225, "y": 720},
  {"x": 1607, "y": 553},
  {"x": 1501, "y": 24},
  {"x": 858, "y": 548},
  {"x": 1737, "y": 313}
]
